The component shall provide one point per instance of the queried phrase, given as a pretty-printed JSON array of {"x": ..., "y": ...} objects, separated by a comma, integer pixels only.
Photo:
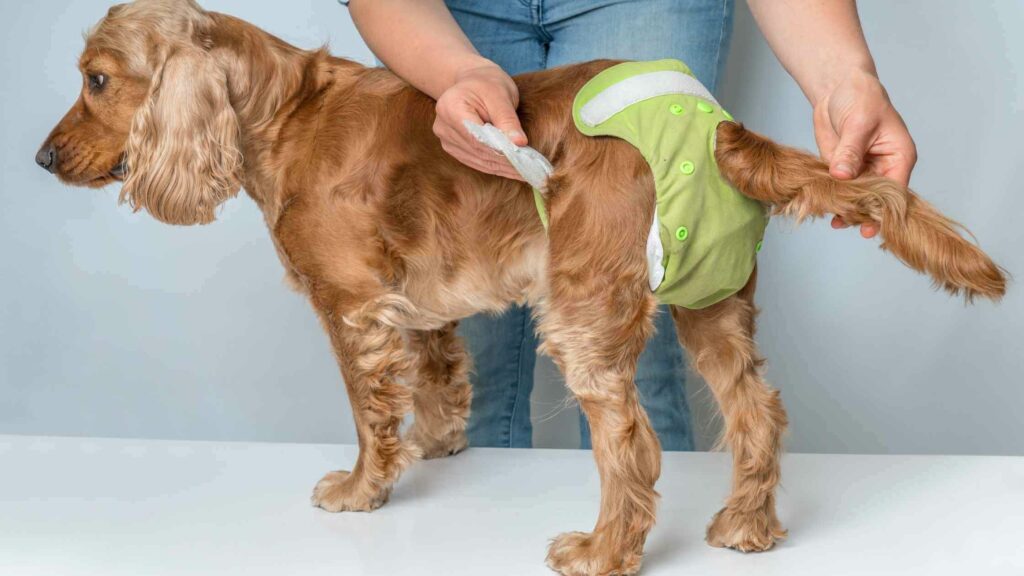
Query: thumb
[
  {"x": 848, "y": 157},
  {"x": 504, "y": 118}
]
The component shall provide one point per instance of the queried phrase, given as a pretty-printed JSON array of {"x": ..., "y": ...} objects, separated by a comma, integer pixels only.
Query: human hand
[
  {"x": 857, "y": 130},
  {"x": 479, "y": 94}
]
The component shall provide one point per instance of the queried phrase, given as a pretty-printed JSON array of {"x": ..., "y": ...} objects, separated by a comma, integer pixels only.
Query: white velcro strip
[{"x": 624, "y": 94}]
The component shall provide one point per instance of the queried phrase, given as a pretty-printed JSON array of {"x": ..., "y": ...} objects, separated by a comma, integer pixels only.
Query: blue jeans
[{"x": 526, "y": 35}]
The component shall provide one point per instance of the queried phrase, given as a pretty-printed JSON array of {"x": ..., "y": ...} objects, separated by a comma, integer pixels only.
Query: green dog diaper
[{"x": 705, "y": 235}]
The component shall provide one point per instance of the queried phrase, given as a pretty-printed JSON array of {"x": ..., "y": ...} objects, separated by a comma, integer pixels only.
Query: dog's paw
[
  {"x": 429, "y": 447},
  {"x": 579, "y": 554},
  {"x": 745, "y": 531},
  {"x": 338, "y": 492}
]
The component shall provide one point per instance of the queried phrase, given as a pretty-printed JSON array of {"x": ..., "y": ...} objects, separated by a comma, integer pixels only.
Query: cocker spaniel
[{"x": 393, "y": 241}]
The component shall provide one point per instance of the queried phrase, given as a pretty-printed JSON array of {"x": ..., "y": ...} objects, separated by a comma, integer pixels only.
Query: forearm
[
  {"x": 430, "y": 51},
  {"x": 820, "y": 42}
]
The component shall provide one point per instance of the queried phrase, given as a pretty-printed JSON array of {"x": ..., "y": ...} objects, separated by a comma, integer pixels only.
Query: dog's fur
[{"x": 393, "y": 242}]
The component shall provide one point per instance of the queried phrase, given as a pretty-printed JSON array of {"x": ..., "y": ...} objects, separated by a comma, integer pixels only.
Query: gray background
[{"x": 114, "y": 325}]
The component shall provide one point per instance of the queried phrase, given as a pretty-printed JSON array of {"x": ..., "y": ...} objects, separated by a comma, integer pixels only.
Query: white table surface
[{"x": 72, "y": 506}]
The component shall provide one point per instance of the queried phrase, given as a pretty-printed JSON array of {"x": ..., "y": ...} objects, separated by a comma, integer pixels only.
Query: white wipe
[{"x": 531, "y": 165}]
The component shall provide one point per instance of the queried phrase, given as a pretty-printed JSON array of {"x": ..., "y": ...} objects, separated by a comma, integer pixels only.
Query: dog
[{"x": 393, "y": 241}]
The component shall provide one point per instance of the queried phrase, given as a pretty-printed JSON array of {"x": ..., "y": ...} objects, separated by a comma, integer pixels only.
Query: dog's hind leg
[
  {"x": 440, "y": 391},
  {"x": 373, "y": 357},
  {"x": 598, "y": 352},
  {"x": 720, "y": 340},
  {"x": 595, "y": 323}
]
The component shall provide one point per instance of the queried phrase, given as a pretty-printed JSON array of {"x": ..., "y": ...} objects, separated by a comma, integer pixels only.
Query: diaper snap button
[
  {"x": 676, "y": 109},
  {"x": 760, "y": 244},
  {"x": 686, "y": 167},
  {"x": 682, "y": 233},
  {"x": 705, "y": 107}
]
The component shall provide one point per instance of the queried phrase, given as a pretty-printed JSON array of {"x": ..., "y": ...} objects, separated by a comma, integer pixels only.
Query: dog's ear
[{"x": 183, "y": 158}]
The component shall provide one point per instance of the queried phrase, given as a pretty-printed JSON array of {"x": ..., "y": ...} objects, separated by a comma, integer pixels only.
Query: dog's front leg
[
  {"x": 441, "y": 391},
  {"x": 373, "y": 359},
  {"x": 720, "y": 340}
]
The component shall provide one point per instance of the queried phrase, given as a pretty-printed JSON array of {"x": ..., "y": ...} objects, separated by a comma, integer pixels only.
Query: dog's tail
[{"x": 798, "y": 184}]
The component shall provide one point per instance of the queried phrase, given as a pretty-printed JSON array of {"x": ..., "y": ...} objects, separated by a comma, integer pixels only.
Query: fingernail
[{"x": 844, "y": 169}]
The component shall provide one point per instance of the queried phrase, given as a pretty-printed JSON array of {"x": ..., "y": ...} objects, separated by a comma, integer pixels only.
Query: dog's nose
[{"x": 47, "y": 157}]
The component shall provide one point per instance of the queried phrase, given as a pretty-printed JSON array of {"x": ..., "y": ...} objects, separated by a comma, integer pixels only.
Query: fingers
[
  {"x": 868, "y": 230},
  {"x": 505, "y": 119},
  {"x": 847, "y": 162},
  {"x": 494, "y": 98},
  {"x": 481, "y": 95},
  {"x": 848, "y": 159},
  {"x": 902, "y": 157},
  {"x": 467, "y": 150},
  {"x": 456, "y": 141},
  {"x": 858, "y": 130},
  {"x": 487, "y": 162}
]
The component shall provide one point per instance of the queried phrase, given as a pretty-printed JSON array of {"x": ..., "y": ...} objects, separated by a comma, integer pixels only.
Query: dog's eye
[{"x": 97, "y": 82}]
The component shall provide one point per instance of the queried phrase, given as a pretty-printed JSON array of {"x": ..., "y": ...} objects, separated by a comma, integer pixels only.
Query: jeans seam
[
  {"x": 519, "y": 374},
  {"x": 510, "y": 413},
  {"x": 537, "y": 15},
  {"x": 718, "y": 48}
]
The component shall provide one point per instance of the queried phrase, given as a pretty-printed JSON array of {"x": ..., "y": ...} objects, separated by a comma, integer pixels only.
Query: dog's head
[{"x": 153, "y": 112}]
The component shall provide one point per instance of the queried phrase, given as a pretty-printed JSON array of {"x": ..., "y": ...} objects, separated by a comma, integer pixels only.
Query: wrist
[
  {"x": 835, "y": 74},
  {"x": 487, "y": 71},
  {"x": 460, "y": 66}
]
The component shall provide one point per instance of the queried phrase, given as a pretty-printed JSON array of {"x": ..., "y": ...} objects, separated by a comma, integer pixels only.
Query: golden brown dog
[{"x": 393, "y": 241}]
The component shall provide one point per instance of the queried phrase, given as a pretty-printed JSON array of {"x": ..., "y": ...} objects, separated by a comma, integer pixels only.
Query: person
[{"x": 463, "y": 53}]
